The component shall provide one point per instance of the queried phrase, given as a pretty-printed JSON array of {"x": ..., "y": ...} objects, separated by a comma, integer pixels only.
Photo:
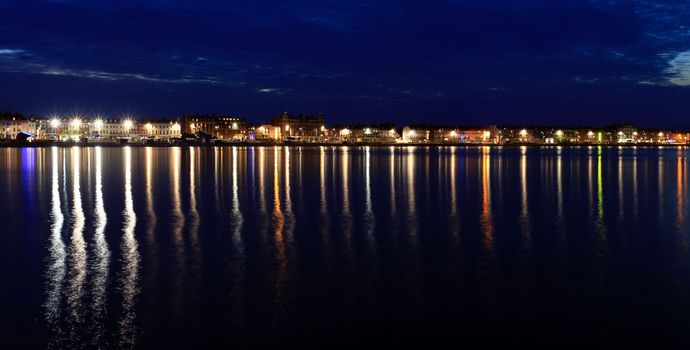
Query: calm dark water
[{"x": 278, "y": 247}]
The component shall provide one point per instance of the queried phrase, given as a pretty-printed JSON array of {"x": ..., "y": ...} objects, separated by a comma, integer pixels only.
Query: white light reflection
[
  {"x": 102, "y": 256},
  {"x": 369, "y": 216},
  {"x": 56, "y": 249},
  {"x": 392, "y": 182},
  {"x": 77, "y": 257},
  {"x": 129, "y": 275}
]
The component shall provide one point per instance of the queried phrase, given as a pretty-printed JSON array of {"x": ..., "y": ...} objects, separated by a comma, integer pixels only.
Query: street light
[
  {"x": 55, "y": 123},
  {"x": 76, "y": 123},
  {"x": 98, "y": 124},
  {"x": 128, "y": 124}
]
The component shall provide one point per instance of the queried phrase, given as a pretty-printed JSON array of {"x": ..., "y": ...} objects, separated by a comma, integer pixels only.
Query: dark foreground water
[{"x": 278, "y": 247}]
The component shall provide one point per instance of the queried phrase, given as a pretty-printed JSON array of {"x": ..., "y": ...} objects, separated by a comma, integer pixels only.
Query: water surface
[{"x": 278, "y": 246}]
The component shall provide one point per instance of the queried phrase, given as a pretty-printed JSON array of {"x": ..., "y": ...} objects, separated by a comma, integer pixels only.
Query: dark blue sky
[{"x": 556, "y": 62}]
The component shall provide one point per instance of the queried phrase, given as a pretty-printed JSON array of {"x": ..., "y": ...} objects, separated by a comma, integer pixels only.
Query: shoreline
[{"x": 293, "y": 144}]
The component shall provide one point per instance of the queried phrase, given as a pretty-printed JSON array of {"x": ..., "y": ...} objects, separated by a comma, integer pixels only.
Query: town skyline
[{"x": 498, "y": 62}]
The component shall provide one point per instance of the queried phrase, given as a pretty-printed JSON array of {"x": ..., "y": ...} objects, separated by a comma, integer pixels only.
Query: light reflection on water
[
  {"x": 56, "y": 269},
  {"x": 325, "y": 236},
  {"x": 101, "y": 262},
  {"x": 76, "y": 258},
  {"x": 129, "y": 274}
]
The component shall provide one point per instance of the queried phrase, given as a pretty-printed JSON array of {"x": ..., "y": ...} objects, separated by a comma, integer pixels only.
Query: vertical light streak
[
  {"x": 600, "y": 225},
  {"x": 77, "y": 256},
  {"x": 322, "y": 183},
  {"x": 325, "y": 219},
  {"x": 279, "y": 222},
  {"x": 216, "y": 177},
  {"x": 150, "y": 212},
  {"x": 660, "y": 167},
  {"x": 680, "y": 195},
  {"x": 236, "y": 212},
  {"x": 486, "y": 216},
  {"x": 346, "y": 211},
  {"x": 621, "y": 198},
  {"x": 393, "y": 200},
  {"x": 262, "y": 179},
  {"x": 559, "y": 187},
  {"x": 238, "y": 257},
  {"x": 453, "y": 185},
  {"x": 369, "y": 211},
  {"x": 524, "y": 195},
  {"x": 102, "y": 256},
  {"x": 129, "y": 274},
  {"x": 57, "y": 255},
  {"x": 178, "y": 274}
]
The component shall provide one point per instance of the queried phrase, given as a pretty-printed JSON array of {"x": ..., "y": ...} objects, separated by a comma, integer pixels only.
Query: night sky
[{"x": 462, "y": 62}]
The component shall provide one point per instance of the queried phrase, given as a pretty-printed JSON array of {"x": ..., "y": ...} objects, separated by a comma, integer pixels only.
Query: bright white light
[
  {"x": 559, "y": 133},
  {"x": 523, "y": 133},
  {"x": 367, "y": 131},
  {"x": 234, "y": 126},
  {"x": 128, "y": 124},
  {"x": 75, "y": 122},
  {"x": 176, "y": 127},
  {"x": 98, "y": 124},
  {"x": 453, "y": 133},
  {"x": 345, "y": 132},
  {"x": 55, "y": 123}
]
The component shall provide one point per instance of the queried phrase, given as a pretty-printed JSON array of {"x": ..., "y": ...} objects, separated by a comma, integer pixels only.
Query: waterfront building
[
  {"x": 413, "y": 135},
  {"x": 301, "y": 128},
  {"x": 12, "y": 124},
  {"x": 364, "y": 133},
  {"x": 515, "y": 134},
  {"x": 113, "y": 130},
  {"x": 42, "y": 129},
  {"x": 225, "y": 128},
  {"x": 564, "y": 136},
  {"x": 267, "y": 132},
  {"x": 157, "y": 129},
  {"x": 445, "y": 134},
  {"x": 626, "y": 134}
]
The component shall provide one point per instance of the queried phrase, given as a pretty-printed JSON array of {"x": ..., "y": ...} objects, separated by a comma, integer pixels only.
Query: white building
[
  {"x": 113, "y": 129},
  {"x": 268, "y": 133},
  {"x": 160, "y": 129}
]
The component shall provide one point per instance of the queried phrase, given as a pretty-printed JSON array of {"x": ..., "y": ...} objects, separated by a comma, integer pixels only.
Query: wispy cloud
[
  {"x": 679, "y": 70},
  {"x": 11, "y": 51}
]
